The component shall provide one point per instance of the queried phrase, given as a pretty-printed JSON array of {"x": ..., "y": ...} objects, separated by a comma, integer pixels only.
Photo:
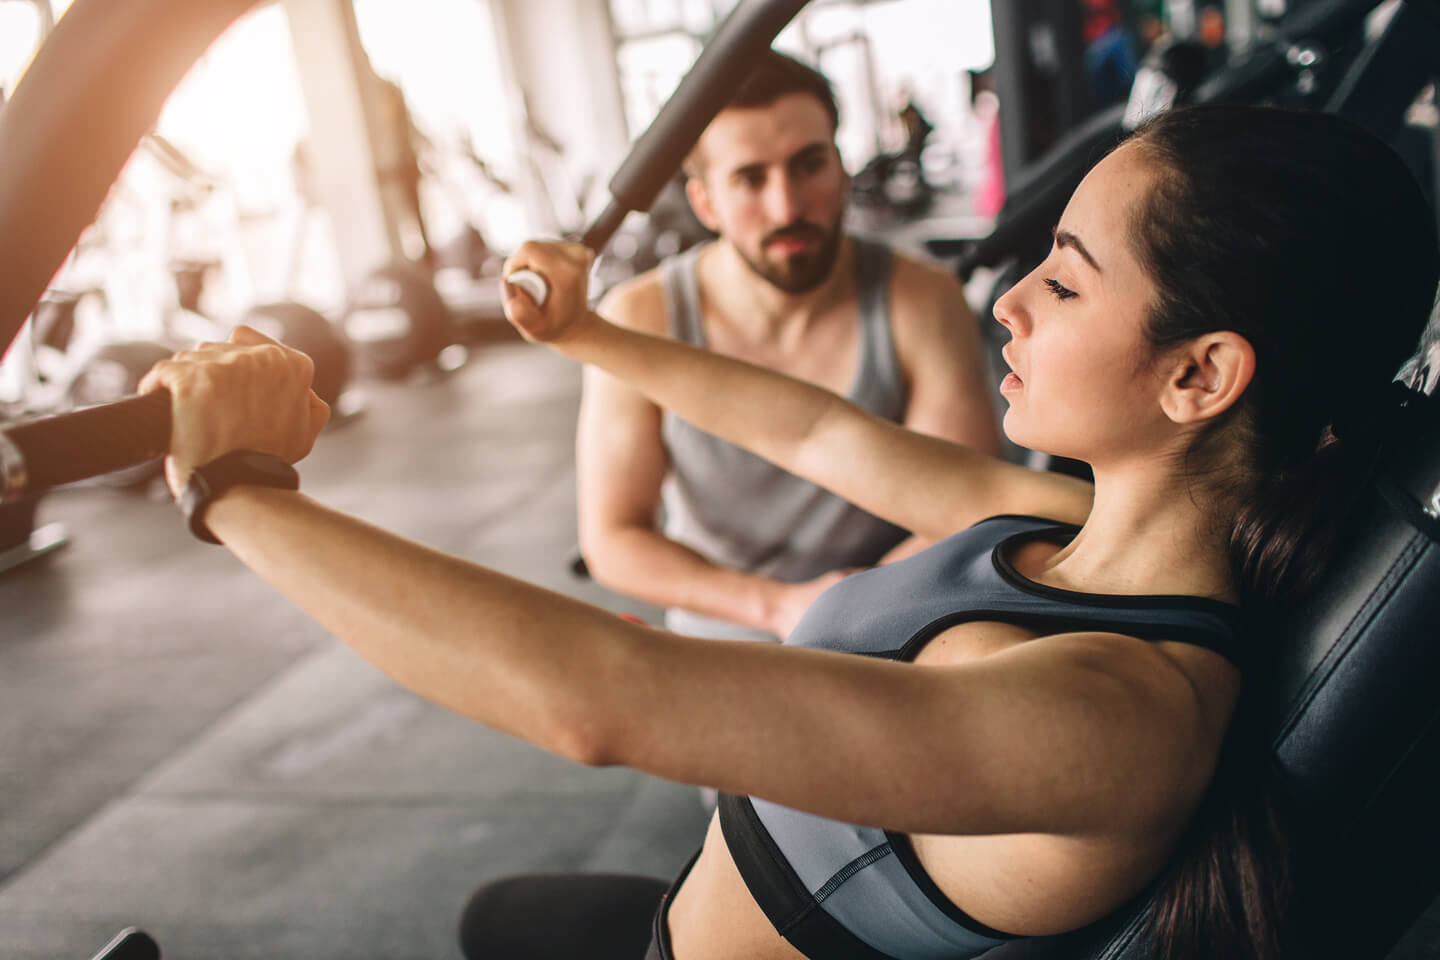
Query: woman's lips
[{"x": 1011, "y": 383}]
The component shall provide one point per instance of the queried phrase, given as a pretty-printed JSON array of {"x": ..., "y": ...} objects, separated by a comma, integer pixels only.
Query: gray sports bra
[{"x": 837, "y": 889}]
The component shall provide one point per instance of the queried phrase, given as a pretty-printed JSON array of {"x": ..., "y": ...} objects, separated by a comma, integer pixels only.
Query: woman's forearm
[
  {"x": 506, "y": 653},
  {"x": 771, "y": 414},
  {"x": 568, "y": 677},
  {"x": 874, "y": 463},
  {"x": 809, "y": 431}
]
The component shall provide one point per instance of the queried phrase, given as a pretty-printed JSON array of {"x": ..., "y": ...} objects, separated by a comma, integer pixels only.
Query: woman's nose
[{"x": 1007, "y": 310}]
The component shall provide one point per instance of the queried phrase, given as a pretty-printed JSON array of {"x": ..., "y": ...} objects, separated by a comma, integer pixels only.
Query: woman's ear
[{"x": 1208, "y": 376}]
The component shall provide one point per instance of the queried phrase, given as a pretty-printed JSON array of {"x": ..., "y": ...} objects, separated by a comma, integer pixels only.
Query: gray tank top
[{"x": 743, "y": 512}]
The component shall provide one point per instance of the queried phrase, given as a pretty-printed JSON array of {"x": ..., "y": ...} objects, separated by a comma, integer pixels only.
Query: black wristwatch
[{"x": 238, "y": 468}]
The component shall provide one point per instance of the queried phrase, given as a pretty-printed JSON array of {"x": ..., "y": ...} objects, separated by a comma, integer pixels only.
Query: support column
[
  {"x": 561, "y": 56},
  {"x": 335, "y": 78}
]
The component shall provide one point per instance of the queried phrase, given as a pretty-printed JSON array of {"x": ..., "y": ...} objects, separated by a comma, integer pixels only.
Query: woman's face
[{"x": 1084, "y": 383}]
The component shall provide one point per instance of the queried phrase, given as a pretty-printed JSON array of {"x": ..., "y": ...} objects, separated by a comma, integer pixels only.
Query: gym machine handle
[
  {"x": 38, "y": 454},
  {"x": 60, "y": 449},
  {"x": 653, "y": 159}
]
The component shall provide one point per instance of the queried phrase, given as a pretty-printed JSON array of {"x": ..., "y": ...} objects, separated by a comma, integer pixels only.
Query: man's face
[{"x": 771, "y": 184}]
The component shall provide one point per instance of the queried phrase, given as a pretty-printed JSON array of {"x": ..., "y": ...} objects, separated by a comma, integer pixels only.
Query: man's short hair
[{"x": 771, "y": 77}]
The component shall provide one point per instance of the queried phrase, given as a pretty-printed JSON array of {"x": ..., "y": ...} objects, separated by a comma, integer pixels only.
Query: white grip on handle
[{"x": 532, "y": 283}]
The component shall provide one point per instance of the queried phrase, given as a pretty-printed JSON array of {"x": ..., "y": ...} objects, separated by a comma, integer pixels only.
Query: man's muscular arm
[{"x": 621, "y": 464}]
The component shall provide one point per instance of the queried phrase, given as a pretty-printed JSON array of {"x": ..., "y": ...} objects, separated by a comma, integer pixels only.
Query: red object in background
[
  {"x": 1100, "y": 16},
  {"x": 990, "y": 191},
  {"x": 632, "y": 619},
  {"x": 1212, "y": 27}
]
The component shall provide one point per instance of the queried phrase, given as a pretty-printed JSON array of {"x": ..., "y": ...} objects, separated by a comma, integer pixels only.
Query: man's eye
[{"x": 1061, "y": 292}]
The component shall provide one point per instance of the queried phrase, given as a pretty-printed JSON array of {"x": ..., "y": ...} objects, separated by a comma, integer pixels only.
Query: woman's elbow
[{"x": 581, "y": 745}]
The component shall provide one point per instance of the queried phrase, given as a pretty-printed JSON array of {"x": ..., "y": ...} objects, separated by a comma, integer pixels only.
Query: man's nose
[{"x": 782, "y": 199}]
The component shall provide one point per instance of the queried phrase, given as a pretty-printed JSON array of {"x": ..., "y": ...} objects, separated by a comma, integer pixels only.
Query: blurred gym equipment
[
  {"x": 397, "y": 322},
  {"x": 308, "y": 331}
]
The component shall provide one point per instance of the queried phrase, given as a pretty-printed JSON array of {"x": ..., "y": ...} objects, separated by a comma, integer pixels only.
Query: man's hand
[
  {"x": 566, "y": 268},
  {"x": 791, "y": 600},
  {"x": 250, "y": 393}
]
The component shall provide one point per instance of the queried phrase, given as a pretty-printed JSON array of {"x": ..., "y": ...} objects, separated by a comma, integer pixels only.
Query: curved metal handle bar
[{"x": 98, "y": 84}]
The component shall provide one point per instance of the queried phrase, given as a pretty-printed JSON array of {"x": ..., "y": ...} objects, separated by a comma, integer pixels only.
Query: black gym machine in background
[
  {"x": 1351, "y": 711},
  {"x": 1303, "y": 60},
  {"x": 1313, "y": 57},
  {"x": 1039, "y": 76}
]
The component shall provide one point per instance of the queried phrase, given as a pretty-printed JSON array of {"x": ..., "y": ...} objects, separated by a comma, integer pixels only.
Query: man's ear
[
  {"x": 1208, "y": 376},
  {"x": 699, "y": 198}
]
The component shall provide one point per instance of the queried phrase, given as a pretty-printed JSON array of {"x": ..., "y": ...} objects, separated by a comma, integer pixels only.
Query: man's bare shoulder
[
  {"x": 923, "y": 283},
  {"x": 638, "y": 303}
]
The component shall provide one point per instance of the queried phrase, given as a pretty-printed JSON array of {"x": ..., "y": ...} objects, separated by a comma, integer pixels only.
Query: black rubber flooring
[{"x": 182, "y": 750}]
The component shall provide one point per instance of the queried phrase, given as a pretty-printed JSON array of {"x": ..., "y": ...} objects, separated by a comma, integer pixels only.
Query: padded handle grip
[
  {"x": 36, "y": 455},
  {"x": 532, "y": 283}
]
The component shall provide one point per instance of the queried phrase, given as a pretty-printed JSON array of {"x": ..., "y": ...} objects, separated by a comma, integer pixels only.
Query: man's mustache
[{"x": 796, "y": 231}]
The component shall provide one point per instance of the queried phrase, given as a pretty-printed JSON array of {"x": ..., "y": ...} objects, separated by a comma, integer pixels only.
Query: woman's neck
[{"x": 1147, "y": 534}]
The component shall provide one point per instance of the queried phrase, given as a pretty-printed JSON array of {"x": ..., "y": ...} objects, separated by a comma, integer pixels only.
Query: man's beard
[{"x": 799, "y": 272}]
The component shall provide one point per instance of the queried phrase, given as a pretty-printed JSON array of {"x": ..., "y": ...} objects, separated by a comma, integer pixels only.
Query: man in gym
[{"x": 744, "y": 547}]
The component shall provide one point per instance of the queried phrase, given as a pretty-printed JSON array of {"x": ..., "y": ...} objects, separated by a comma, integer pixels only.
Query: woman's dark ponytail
[
  {"x": 1310, "y": 238},
  {"x": 1227, "y": 892},
  {"x": 1282, "y": 539}
]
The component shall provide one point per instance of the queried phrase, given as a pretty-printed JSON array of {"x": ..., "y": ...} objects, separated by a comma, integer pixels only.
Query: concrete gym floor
[{"x": 182, "y": 750}]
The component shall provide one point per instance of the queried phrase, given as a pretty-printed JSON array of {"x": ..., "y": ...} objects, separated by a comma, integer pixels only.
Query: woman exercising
[{"x": 1047, "y": 719}]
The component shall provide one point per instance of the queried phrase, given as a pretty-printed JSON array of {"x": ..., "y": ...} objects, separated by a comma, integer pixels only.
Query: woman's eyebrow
[{"x": 1064, "y": 238}]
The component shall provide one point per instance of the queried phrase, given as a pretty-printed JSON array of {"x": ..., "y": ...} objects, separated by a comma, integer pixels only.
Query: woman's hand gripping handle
[
  {"x": 250, "y": 393},
  {"x": 544, "y": 290}
]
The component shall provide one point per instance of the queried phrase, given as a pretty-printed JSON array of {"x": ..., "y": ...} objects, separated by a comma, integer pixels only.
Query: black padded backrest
[
  {"x": 1355, "y": 713},
  {"x": 1359, "y": 734}
]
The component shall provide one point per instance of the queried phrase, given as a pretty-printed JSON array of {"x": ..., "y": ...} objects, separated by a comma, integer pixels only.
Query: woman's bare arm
[
  {"x": 1062, "y": 735},
  {"x": 1082, "y": 734},
  {"x": 929, "y": 486}
]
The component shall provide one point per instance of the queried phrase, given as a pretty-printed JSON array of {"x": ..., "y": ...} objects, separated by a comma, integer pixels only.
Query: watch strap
[{"x": 235, "y": 469}]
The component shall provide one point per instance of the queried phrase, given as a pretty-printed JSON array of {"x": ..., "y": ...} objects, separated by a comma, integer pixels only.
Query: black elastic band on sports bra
[
  {"x": 905, "y": 853},
  {"x": 1229, "y": 643},
  {"x": 787, "y": 904},
  {"x": 1053, "y": 623}
]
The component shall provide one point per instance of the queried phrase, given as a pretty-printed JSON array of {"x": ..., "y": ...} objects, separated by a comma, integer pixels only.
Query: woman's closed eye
[{"x": 1061, "y": 291}]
